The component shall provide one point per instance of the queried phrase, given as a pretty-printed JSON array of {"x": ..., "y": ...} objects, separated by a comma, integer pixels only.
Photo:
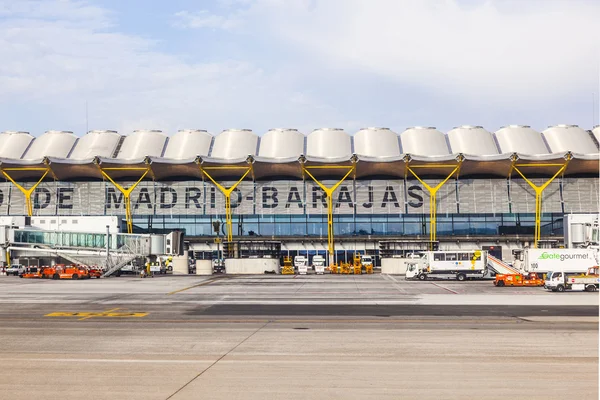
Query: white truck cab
[
  {"x": 562, "y": 281},
  {"x": 366, "y": 260}
]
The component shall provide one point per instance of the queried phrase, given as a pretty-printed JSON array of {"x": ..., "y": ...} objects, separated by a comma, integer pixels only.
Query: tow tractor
[
  {"x": 529, "y": 279},
  {"x": 61, "y": 271},
  {"x": 32, "y": 272}
]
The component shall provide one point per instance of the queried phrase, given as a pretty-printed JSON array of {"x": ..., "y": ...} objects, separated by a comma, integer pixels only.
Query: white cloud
[
  {"x": 494, "y": 52},
  {"x": 203, "y": 19}
]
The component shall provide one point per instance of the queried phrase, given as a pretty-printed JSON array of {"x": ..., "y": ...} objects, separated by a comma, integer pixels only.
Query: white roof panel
[
  {"x": 234, "y": 144},
  {"x": 475, "y": 140},
  {"x": 520, "y": 139},
  {"x": 563, "y": 138},
  {"x": 51, "y": 144},
  {"x": 281, "y": 143},
  {"x": 424, "y": 141},
  {"x": 188, "y": 143},
  {"x": 13, "y": 143},
  {"x": 328, "y": 143},
  {"x": 142, "y": 143},
  {"x": 99, "y": 143},
  {"x": 376, "y": 142}
]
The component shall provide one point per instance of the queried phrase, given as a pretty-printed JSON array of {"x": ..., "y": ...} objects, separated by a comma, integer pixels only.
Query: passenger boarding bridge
[{"x": 111, "y": 251}]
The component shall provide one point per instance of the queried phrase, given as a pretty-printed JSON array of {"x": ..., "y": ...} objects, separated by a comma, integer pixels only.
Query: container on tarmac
[
  {"x": 460, "y": 265},
  {"x": 543, "y": 261},
  {"x": 318, "y": 263},
  {"x": 301, "y": 264}
]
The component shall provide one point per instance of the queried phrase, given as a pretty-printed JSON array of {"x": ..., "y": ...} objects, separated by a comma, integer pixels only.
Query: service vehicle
[
  {"x": 301, "y": 264},
  {"x": 32, "y": 272},
  {"x": 543, "y": 261},
  {"x": 61, "y": 271},
  {"x": 318, "y": 263},
  {"x": 459, "y": 265},
  {"x": 528, "y": 279},
  {"x": 95, "y": 271},
  {"x": 218, "y": 266},
  {"x": 15, "y": 269},
  {"x": 563, "y": 281}
]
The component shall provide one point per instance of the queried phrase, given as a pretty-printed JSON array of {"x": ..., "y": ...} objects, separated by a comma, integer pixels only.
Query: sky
[{"x": 138, "y": 64}]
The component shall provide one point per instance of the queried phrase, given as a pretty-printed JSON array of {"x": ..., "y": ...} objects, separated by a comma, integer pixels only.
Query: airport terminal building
[{"x": 471, "y": 186}]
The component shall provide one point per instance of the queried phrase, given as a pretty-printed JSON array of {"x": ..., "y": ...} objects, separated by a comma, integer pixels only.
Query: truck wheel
[
  {"x": 590, "y": 288},
  {"x": 560, "y": 288},
  {"x": 56, "y": 276},
  {"x": 500, "y": 284},
  {"x": 75, "y": 276},
  {"x": 422, "y": 277},
  {"x": 461, "y": 277}
]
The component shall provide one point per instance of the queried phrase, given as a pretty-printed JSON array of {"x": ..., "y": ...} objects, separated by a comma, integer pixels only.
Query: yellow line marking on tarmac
[
  {"x": 87, "y": 315},
  {"x": 207, "y": 282}
]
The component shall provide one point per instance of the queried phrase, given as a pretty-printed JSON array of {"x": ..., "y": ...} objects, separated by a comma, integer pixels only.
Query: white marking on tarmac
[
  {"x": 101, "y": 360},
  {"x": 443, "y": 287}
]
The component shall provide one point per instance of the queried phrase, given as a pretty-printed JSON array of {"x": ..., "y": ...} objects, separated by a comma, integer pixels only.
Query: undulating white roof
[
  {"x": 469, "y": 139},
  {"x": 328, "y": 143},
  {"x": 235, "y": 144},
  {"x": 143, "y": 143},
  {"x": 98, "y": 143},
  {"x": 281, "y": 143},
  {"x": 424, "y": 141},
  {"x": 376, "y": 142},
  {"x": 51, "y": 144},
  {"x": 188, "y": 143},
  {"x": 563, "y": 138},
  {"x": 14, "y": 143},
  {"x": 520, "y": 139}
]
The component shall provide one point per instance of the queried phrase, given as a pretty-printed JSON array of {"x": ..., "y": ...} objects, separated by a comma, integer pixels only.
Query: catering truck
[
  {"x": 543, "y": 261},
  {"x": 562, "y": 281},
  {"x": 460, "y": 265}
]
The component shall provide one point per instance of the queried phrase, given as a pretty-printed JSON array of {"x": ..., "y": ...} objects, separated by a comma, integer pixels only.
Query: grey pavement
[{"x": 274, "y": 337}]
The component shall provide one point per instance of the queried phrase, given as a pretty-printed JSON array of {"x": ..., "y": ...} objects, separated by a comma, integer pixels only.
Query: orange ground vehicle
[
  {"x": 95, "y": 272},
  {"x": 61, "y": 271},
  {"x": 530, "y": 279},
  {"x": 32, "y": 272}
]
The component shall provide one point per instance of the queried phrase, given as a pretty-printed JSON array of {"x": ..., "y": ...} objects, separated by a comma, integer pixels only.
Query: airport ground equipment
[
  {"x": 459, "y": 265},
  {"x": 319, "y": 264},
  {"x": 544, "y": 261},
  {"x": 301, "y": 264},
  {"x": 61, "y": 271},
  {"x": 287, "y": 268},
  {"x": 528, "y": 279},
  {"x": 369, "y": 269},
  {"x": 345, "y": 268},
  {"x": 32, "y": 272},
  {"x": 357, "y": 264},
  {"x": 563, "y": 281}
]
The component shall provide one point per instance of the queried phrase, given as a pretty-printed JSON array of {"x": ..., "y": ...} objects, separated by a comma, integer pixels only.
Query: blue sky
[{"x": 304, "y": 64}]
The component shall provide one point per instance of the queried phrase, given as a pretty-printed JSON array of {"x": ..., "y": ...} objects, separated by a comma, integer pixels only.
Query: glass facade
[{"x": 354, "y": 225}]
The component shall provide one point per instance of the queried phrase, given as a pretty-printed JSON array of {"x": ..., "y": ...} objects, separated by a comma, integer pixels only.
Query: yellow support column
[
  {"x": 26, "y": 192},
  {"x": 433, "y": 194},
  {"x": 227, "y": 191},
  {"x": 126, "y": 192},
  {"x": 537, "y": 235},
  {"x": 328, "y": 194}
]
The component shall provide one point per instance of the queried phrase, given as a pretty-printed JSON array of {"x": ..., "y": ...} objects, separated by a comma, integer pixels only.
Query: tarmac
[{"x": 294, "y": 337}]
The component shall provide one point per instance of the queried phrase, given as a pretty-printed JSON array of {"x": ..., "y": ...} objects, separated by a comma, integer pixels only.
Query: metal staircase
[{"x": 499, "y": 266}]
